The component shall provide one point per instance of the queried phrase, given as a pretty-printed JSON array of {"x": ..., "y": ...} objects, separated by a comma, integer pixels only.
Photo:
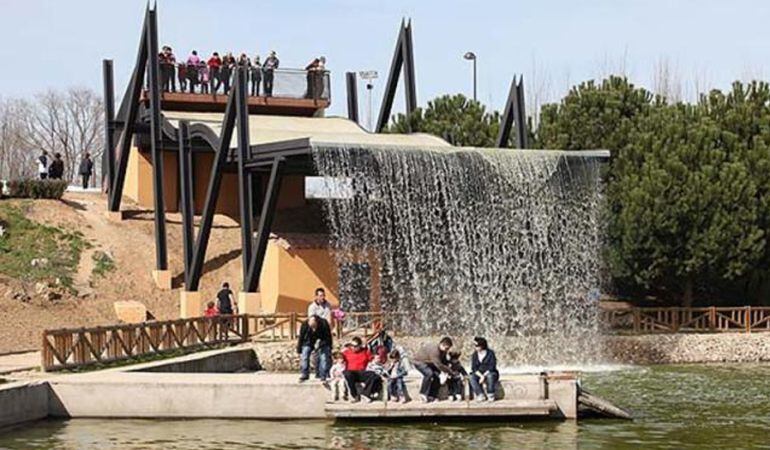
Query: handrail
[{"x": 639, "y": 320}]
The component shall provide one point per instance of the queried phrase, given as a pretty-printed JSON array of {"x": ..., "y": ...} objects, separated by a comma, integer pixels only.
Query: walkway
[{"x": 17, "y": 362}]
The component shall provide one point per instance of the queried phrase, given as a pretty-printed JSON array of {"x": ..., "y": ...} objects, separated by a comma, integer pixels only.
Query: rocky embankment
[{"x": 607, "y": 349}]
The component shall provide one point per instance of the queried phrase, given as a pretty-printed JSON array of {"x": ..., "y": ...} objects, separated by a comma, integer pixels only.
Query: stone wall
[{"x": 643, "y": 349}]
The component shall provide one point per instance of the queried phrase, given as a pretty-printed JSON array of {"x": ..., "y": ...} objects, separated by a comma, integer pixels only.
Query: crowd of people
[
  {"x": 358, "y": 372},
  {"x": 208, "y": 76},
  {"x": 53, "y": 168}
]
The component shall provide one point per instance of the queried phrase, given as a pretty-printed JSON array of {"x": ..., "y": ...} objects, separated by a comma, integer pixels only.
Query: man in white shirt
[{"x": 320, "y": 306}]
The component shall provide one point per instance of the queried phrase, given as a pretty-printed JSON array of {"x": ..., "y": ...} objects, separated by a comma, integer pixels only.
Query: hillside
[{"x": 63, "y": 264}]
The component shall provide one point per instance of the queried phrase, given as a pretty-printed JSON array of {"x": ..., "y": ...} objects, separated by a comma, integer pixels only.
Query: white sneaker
[
  {"x": 424, "y": 398},
  {"x": 366, "y": 399},
  {"x": 478, "y": 398},
  {"x": 490, "y": 398}
]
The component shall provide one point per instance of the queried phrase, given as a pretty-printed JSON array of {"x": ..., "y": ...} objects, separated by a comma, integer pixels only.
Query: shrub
[{"x": 32, "y": 188}]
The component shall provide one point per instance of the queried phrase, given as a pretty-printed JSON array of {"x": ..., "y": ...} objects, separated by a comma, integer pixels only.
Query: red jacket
[{"x": 356, "y": 360}]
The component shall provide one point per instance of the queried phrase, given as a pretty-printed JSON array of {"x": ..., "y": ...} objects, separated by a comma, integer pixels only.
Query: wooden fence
[
  {"x": 79, "y": 347},
  {"x": 71, "y": 348},
  {"x": 675, "y": 320}
]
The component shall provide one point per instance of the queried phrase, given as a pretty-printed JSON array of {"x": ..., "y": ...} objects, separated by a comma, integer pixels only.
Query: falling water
[{"x": 473, "y": 241}]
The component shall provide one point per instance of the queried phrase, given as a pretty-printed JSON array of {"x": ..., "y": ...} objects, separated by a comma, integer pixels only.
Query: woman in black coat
[{"x": 483, "y": 370}]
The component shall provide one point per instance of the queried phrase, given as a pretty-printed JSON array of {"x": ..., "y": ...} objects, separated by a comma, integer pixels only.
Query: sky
[{"x": 553, "y": 43}]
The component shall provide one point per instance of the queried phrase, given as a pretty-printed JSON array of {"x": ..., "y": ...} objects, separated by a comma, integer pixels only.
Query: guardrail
[
  {"x": 284, "y": 327},
  {"x": 78, "y": 347},
  {"x": 640, "y": 320}
]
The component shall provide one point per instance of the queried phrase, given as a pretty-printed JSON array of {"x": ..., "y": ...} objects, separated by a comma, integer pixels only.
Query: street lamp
[
  {"x": 369, "y": 76},
  {"x": 470, "y": 56}
]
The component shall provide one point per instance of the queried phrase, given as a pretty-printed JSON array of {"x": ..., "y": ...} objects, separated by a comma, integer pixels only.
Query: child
[
  {"x": 377, "y": 365},
  {"x": 211, "y": 310},
  {"x": 396, "y": 371},
  {"x": 339, "y": 388},
  {"x": 203, "y": 72},
  {"x": 455, "y": 382}
]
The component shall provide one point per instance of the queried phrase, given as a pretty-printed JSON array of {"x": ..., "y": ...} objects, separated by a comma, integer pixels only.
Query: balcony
[{"x": 295, "y": 92}]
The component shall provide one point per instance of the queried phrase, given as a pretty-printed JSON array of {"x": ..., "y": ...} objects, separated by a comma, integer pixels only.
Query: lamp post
[
  {"x": 369, "y": 76},
  {"x": 470, "y": 56}
]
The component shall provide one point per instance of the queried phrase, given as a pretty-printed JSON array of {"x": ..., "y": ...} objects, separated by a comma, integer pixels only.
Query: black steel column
[
  {"x": 508, "y": 116},
  {"x": 410, "y": 86},
  {"x": 244, "y": 180},
  {"x": 521, "y": 121},
  {"x": 108, "y": 161},
  {"x": 265, "y": 224},
  {"x": 161, "y": 254},
  {"x": 350, "y": 81},
  {"x": 130, "y": 104},
  {"x": 392, "y": 84},
  {"x": 187, "y": 198},
  {"x": 212, "y": 195}
]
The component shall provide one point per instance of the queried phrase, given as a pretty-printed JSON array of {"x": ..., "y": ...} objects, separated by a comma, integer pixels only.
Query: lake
[{"x": 675, "y": 407}]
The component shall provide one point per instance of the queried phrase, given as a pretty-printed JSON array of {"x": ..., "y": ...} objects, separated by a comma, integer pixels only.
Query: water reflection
[{"x": 721, "y": 406}]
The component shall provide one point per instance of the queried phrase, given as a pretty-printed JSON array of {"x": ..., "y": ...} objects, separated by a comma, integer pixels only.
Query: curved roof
[{"x": 264, "y": 129}]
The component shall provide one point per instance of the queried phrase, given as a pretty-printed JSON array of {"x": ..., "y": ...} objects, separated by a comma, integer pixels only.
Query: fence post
[
  {"x": 245, "y": 327},
  {"x": 748, "y": 319},
  {"x": 637, "y": 319},
  {"x": 713, "y": 318},
  {"x": 293, "y": 325}
]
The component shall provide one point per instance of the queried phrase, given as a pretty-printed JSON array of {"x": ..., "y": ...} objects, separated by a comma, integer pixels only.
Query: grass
[
  {"x": 25, "y": 241},
  {"x": 150, "y": 357},
  {"x": 103, "y": 263}
]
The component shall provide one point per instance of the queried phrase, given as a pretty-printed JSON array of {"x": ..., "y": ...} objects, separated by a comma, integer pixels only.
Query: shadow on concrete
[{"x": 209, "y": 266}]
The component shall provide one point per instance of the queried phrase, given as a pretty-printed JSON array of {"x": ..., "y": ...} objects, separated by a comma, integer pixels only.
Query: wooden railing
[
  {"x": 79, "y": 347},
  {"x": 283, "y": 327},
  {"x": 675, "y": 320}
]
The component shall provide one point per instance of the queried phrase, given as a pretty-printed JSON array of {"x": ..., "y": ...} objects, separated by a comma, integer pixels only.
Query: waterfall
[{"x": 470, "y": 242}]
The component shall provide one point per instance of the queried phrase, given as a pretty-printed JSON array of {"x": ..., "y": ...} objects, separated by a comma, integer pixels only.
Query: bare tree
[
  {"x": 17, "y": 159},
  {"x": 69, "y": 123},
  {"x": 666, "y": 80}
]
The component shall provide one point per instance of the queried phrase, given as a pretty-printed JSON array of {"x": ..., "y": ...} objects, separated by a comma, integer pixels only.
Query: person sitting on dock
[
  {"x": 430, "y": 361},
  {"x": 483, "y": 370},
  {"x": 396, "y": 371},
  {"x": 314, "y": 335},
  {"x": 455, "y": 383},
  {"x": 339, "y": 387},
  {"x": 357, "y": 357},
  {"x": 379, "y": 362}
]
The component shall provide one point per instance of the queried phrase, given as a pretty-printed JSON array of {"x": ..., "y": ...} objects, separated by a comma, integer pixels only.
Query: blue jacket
[{"x": 489, "y": 364}]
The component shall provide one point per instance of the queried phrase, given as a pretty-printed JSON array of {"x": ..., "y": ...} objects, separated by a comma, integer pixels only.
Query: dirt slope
[{"x": 131, "y": 245}]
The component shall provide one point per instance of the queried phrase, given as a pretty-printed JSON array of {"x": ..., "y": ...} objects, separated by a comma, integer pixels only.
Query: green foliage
[
  {"x": 103, "y": 263},
  {"x": 33, "y": 252},
  {"x": 34, "y": 188},
  {"x": 455, "y": 118}
]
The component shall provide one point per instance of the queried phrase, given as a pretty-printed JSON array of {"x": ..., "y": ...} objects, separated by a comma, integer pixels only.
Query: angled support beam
[
  {"x": 352, "y": 88},
  {"x": 513, "y": 114},
  {"x": 127, "y": 115},
  {"x": 186, "y": 188},
  {"x": 244, "y": 178},
  {"x": 192, "y": 281},
  {"x": 108, "y": 158},
  {"x": 403, "y": 57},
  {"x": 156, "y": 136},
  {"x": 265, "y": 224},
  {"x": 521, "y": 130}
]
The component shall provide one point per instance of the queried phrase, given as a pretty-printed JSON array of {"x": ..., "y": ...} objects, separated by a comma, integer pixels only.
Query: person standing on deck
[
  {"x": 226, "y": 303},
  {"x": 225, "y": 73},
  {"x": 214, "y": 63},
  {"x": 56, "y": 169},
  {"x": 314, "y": 336},
  {"x": 86, "y": 169},
  {"x": 320, "y": 306},
  {"x": 256, "y": 76},
  {"x": 430, "y": 361},
  {"x": 269, "y": 67}
]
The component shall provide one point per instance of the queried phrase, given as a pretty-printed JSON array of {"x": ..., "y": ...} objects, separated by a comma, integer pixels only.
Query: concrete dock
[{"x": 499, "y": 409}]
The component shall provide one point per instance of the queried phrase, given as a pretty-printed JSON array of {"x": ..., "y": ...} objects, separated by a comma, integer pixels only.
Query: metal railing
[
  {"x": 640, "y": 320},
  {"x": 280, "y": 83}
]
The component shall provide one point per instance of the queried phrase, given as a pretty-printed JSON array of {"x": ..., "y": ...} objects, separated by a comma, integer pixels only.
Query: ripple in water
[{"x": 473, "y": 241}]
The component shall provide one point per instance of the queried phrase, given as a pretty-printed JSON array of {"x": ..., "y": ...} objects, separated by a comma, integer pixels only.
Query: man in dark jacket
[
  {"x": 314, "y": 335},
  {"x": 430, "y": 361},
  {"x": 56, "y": 170},
  {"x": 86, "y": 169}
]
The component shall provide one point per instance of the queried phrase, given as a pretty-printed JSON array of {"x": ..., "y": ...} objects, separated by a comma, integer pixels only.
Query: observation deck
[{"x": 295, "y": 92}]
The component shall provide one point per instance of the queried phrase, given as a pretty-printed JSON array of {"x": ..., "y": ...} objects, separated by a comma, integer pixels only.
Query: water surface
[{"x": 676, "y": 407}]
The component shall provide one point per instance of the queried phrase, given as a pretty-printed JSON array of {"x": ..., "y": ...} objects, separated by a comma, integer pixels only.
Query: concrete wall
[
  {"x": 214, "y": 361},
  {"x": 23, "y": 402}
]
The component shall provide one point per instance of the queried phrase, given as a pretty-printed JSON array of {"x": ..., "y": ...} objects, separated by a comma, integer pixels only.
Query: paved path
[{"x": 19, "y": 362}]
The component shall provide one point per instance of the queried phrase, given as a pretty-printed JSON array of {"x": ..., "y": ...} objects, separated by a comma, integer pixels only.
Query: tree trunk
[{"x": 687, "y": 299}]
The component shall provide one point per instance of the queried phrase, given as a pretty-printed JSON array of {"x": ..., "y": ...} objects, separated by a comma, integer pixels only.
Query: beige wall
[{"x": 138, "y": 184}]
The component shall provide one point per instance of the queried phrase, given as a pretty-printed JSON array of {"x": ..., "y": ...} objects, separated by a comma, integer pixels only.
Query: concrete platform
[{"x": 498, "y": 409}]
